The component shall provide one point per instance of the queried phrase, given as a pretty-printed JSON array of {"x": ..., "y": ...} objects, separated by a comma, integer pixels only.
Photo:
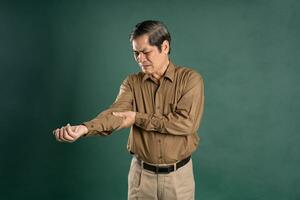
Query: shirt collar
[{"x": 169, "y": 73}]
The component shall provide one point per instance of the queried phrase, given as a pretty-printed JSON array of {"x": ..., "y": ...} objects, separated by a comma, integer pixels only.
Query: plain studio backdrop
[{"x": 63, "y": 61}]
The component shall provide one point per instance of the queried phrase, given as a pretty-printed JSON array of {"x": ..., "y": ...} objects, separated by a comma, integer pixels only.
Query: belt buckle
[{"x": 158, "y": 171}]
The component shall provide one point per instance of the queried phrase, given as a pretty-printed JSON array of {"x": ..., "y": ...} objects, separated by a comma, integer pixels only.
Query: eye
[{"x": 135, "y": 53}]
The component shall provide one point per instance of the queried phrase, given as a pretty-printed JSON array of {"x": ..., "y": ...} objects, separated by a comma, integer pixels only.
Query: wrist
[{"x": 84, "y": 130}]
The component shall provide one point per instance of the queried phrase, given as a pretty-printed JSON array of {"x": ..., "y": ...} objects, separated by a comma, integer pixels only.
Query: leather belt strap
[{"x": 164, "y": 169}]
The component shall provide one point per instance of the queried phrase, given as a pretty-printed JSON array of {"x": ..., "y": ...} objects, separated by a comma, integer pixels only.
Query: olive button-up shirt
[{"x": 168, "y": 114}]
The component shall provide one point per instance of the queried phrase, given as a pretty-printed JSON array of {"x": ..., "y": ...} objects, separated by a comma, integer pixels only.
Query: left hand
[
  {"x": 128, "y": 118},
  {"x": 70, "y": 133}
]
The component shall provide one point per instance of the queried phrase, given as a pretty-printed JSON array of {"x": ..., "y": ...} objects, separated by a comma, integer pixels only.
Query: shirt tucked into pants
[
  {"x": 168, "y": 115},
  {"x": 145, "y": 184}
]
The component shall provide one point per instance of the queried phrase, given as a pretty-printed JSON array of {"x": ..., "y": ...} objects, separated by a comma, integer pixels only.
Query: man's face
[{"x": 149, "y": 58}]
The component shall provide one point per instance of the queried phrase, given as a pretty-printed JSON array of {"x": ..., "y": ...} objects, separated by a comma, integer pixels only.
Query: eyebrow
[{"x": 143, "y": 50}]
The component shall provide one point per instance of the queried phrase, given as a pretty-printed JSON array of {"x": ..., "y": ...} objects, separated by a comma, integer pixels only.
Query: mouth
[{"x": 145, "y": 66}]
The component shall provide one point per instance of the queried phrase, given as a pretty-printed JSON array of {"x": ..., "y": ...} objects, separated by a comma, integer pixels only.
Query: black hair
[{"x": 156, "y": 31}]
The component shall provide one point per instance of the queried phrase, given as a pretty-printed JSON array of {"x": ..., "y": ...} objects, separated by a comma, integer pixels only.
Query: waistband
[{"x": 164, "y": 169}]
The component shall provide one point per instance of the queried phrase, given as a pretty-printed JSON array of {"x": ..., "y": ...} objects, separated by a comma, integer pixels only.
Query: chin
[{"x": 146, "y": 71}]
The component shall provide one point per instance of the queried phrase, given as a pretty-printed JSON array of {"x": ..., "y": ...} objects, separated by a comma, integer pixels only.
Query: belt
[{"x": 164, "y": 169}]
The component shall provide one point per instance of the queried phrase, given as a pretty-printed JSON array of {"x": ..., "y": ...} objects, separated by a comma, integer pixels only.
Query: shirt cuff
[
  {"x": 90, "y": 125},
  {"x": 140, "y": 119}
]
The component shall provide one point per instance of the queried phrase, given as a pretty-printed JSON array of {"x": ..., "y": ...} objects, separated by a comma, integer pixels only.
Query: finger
[
  {"x": 57, "y": 135},
  {"x": 66, "y": 135},
  {"x": 76, "y": 128},
  {"x": 120, "y": 127},
  {"x": 115, "y": 114},
  {"x": 70, "y": 132},
  {"x": 62, "y": 134},
  {"x": 119, "y": 114}
]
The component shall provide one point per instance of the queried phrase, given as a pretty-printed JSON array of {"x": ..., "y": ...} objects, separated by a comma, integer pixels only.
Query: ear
[{"x": 165, "y": 47}]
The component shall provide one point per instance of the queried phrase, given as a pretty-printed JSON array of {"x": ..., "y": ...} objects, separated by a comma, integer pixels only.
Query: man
[{"x": 163, "y": 105}]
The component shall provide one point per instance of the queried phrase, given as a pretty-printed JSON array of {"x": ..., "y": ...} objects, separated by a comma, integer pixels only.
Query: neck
[{"x": 160, "y": 73}]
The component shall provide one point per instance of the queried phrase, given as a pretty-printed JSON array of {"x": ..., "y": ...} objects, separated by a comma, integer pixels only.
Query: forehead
[{"x": 141, "y": 43}]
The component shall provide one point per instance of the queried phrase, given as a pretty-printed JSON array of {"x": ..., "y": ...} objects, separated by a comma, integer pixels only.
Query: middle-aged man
[{"x": 163, "y": 105}]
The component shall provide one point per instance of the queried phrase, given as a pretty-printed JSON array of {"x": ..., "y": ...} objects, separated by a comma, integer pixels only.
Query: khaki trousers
[{"x": 144, "y": 184}]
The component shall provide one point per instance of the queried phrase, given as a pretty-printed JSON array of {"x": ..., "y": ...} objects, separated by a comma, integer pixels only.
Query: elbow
[{"x": 184, "y": 127}]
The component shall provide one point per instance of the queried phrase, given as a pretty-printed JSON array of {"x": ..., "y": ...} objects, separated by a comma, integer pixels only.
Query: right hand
[{"x": 70, "y": 133}]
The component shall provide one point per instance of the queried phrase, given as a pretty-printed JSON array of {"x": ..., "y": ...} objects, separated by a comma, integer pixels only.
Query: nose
[{"x": 141, "y": 57}]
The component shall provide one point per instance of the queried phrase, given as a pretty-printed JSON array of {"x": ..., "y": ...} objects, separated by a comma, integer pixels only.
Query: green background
[{"x": 63, "y": 61}]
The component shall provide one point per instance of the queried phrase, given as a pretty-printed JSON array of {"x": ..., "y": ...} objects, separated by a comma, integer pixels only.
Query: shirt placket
[{"x": 158, "y": 110}]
